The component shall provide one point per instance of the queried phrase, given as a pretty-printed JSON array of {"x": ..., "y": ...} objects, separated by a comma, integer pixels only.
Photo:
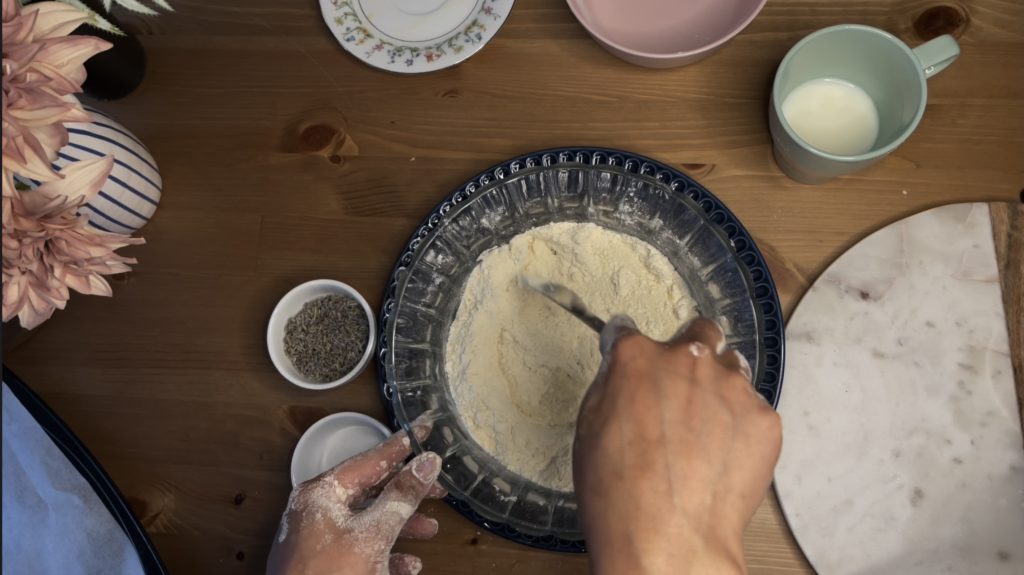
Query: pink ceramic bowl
[{"x": 664, "y": 33}]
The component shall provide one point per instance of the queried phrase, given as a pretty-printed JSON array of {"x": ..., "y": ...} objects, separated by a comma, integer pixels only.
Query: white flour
[{"x": 518, "y": 365}]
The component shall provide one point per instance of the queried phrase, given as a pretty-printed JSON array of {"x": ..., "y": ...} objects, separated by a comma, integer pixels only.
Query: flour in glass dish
[{"x": 518, "y": 365}]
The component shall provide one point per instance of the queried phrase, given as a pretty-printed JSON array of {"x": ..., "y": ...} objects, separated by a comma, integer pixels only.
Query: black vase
[{"x": 117, "y": 72}]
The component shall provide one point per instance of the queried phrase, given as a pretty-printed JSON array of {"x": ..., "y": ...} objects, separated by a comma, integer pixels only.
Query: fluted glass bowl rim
[{"x": 698, "y": 199}]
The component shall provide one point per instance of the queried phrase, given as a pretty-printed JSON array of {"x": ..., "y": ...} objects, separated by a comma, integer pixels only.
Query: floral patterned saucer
[{"x": 414, "y": 36}]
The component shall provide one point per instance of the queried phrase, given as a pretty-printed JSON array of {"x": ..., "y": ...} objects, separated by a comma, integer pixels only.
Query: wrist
[
  {"x": 672, "y": 558},
  {"x": 717, "y": 563}
]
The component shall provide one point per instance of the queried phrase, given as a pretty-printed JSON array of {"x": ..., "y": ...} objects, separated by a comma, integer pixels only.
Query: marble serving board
[{"x": 902, "y": 447}]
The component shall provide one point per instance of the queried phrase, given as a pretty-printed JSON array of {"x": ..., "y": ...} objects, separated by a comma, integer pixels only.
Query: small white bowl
[
  {"x": 290, "y": 305},
  {"x": 332, "y": 440}
]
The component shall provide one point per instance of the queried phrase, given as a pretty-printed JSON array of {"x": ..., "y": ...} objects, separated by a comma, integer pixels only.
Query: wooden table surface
[{"x": 169, "y": 383}]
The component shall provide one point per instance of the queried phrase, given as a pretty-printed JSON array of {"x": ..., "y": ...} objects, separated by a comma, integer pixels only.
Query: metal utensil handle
[{"x": 593, "y": 322}]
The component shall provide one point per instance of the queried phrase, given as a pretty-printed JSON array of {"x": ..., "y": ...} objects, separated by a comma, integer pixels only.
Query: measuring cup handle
[{"x": 937, "y": 54}]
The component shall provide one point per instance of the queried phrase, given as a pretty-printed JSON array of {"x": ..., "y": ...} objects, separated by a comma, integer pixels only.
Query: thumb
[
  {"x": 617, "y": 327},
  {"x": 402, "y": 495}
]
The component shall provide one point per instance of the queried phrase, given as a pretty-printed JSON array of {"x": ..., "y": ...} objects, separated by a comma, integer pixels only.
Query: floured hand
[{"x": 332, "y": 526}]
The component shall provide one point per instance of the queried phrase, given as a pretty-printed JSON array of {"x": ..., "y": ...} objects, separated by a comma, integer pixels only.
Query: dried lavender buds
[{"x": 327, "y": 338}]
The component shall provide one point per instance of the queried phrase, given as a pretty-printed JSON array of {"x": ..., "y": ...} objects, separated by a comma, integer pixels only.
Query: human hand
[
  {"x": 331, "y": 526},
  {"x": 674, "y": 453}
]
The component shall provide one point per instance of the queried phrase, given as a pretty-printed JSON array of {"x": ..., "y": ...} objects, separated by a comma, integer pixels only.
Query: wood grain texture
[
  {"x": 168, "y": 382},
  {"x": 1008, "y": 233}
]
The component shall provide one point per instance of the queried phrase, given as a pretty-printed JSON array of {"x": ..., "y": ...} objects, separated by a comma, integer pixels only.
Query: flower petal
[
  {"x": 63, "y": 59},
  {"x": 82, "y": 179},
  {"x": 55, "y": 19}
]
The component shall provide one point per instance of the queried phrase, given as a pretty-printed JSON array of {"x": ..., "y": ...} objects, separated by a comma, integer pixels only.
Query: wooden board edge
[{"x": 1008, "y": 234}]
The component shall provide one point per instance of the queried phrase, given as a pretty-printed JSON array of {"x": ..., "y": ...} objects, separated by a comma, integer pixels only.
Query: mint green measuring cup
[{"x": 893, "y": 74}]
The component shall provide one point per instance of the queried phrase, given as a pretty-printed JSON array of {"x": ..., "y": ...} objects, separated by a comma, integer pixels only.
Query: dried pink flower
[
  {"x": 48, "y": 249},
  {"x": 42, "y": 68}
]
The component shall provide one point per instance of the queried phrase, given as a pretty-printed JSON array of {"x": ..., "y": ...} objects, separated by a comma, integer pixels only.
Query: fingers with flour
[
  {"x": 404, "y": 564},
  {"x": 398, "y": 502},
  {"x": 701, "y": 330},
  {"x": 360, "y": 474},
  {"x": 419, "y": 526},
  {"x": 436, "y": 492},
  {"x": 708, "y": 333},
  {"x": 734, "y": 360}
]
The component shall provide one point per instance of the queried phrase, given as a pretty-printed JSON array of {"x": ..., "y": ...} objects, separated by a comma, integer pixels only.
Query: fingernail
[
  {"x": 426, "y": 467},
  {"x": 422, "y": 425},
  {"x": 698, "y": 349},
  {"x": 415, "y": 565},
  {"x": 421, "y": 432}
]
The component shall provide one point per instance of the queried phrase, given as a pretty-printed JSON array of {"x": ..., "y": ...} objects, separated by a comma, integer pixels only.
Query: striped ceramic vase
[{"x": 132, "y": 192}]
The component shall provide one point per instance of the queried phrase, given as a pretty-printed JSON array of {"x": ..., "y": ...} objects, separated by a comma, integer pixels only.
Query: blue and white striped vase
[{"x": 131, "y": 194}]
